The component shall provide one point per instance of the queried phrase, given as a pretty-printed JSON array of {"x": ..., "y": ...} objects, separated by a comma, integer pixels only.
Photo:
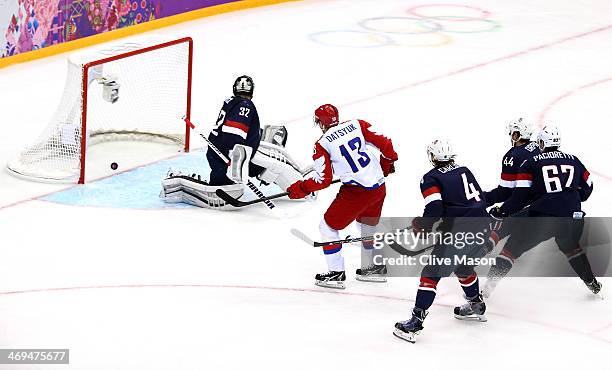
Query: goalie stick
[
  {"x": 249, "y": 184},
  {"x": 239, "y": 203}
]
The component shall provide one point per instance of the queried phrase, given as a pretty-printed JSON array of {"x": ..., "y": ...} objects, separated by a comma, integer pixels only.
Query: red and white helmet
[{"x": 326, "y": 115}]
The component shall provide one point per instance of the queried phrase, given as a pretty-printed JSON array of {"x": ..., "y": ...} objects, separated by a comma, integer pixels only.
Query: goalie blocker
[{"x": 278, "y": 168}]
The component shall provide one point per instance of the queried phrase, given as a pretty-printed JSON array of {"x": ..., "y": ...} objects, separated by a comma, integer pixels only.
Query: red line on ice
[
  {"x": 297, "y": 290},
  {"x": 553, "y": 103},
  {"x": 475, "y": 66}
]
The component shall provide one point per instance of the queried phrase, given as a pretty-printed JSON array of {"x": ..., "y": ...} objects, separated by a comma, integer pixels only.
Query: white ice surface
[{"x": 194, "y": 289}]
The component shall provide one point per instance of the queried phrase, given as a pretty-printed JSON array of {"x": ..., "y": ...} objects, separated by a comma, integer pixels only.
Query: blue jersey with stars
[{"x": 553, "y": 183}]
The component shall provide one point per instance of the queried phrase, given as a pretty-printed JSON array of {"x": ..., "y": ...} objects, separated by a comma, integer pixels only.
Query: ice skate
[
  {"x": 409, "y": 329},
  {"x": 595, "y": 287},
  {"x": 473, "y": 310},
  {"x": 331, "y": 279},
  {"x": 372, "y": 273}
]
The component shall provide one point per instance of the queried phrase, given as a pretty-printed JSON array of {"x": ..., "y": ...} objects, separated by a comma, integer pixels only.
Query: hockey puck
[{"x": 114, "y": 166}]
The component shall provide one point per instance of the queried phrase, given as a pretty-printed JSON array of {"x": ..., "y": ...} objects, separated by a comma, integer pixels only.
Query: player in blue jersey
[
  {"x": 553, "y": 184},
  {"x": 522, "y": 149},
  {"x": 238, "y": 123},
  {"x": 520, "y": 132},
  {"x": 252, "y": 151},
  {"x": 452, "y": 195}
]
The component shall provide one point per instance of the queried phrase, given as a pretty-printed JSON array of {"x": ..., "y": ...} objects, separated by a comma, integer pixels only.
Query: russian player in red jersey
[{"x": 343, "y": 150}]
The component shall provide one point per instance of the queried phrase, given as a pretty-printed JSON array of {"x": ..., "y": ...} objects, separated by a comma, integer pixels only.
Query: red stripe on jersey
[
  {"x": 383, "y": 143},
  {"x": 330, "y": 247},
  {"x": 468, "y": 280},
  {"x": 586, "y": 175},
  {"x": 508, "y": 176},
  {"x": 428, "y": 283},
  {"x": 524, "y": 176},
  {"x": 238, "y": 125},
  {"x": 429, "y": 191}
]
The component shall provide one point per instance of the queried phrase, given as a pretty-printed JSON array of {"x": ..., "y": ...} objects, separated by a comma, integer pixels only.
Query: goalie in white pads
[{"x": 250, "y": 151}]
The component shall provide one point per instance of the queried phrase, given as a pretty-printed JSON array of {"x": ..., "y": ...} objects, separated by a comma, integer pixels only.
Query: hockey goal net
[{"x": 136, "y": 90}]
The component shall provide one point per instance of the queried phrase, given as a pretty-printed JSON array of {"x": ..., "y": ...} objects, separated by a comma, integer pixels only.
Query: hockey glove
[
  {"x": 387, "y": 165},
  {"x": 296, "y": 191},
  {"x": 497, "y": 219},
  {"x": 497, "y": 213}
]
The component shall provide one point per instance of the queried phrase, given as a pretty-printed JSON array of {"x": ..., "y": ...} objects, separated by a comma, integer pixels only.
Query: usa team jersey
[
  {"x": 343, "y": 151},
  {"x": 511, "y": 163},
  {"x": 238, "y": 123},
  {"x": 555, "y": 183},
  {"x": 452, "y": 191}
]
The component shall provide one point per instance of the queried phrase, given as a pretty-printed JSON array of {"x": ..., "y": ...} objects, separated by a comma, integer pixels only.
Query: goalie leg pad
[
  {"x": 192, "y": 190},
  {"x": 238, "y": 170},
  {"x": 279, "y": 167}
]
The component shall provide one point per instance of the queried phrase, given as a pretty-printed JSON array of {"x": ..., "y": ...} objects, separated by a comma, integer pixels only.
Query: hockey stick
[
  {"x": 407, "y": 252},
  {"x": 300, "y": 235},
  {"x": 238, "y": 203},
  {"x": 250, "y": 185}
]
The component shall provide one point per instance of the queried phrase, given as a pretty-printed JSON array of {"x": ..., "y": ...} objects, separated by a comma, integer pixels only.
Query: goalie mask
[{"x": 244, "y": 85}]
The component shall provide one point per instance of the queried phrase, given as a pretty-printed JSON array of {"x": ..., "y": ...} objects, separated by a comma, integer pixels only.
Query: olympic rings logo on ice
[{"x": 423, "y": 25}]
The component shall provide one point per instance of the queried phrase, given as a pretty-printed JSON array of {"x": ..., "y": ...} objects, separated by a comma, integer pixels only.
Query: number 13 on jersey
[{"x": 355, "y": 154}]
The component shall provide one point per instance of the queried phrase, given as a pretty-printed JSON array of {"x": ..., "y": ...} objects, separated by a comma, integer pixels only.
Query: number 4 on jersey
[{"x": 470, "y": 189}]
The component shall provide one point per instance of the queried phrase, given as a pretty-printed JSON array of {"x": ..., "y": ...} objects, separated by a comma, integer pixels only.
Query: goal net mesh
[{"x": 128, "y": 91}]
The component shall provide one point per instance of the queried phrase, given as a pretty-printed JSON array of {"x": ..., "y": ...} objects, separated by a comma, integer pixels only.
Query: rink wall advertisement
[{"x": 28, "y": 25}]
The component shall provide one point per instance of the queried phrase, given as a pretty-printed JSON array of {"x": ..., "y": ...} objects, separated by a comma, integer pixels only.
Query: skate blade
[
  {"x": 372, "y": 278},
  {"x": 334, "y": 285},
  {"x": 479, "y": 318},
  {"x": 408, "y": 337}
]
